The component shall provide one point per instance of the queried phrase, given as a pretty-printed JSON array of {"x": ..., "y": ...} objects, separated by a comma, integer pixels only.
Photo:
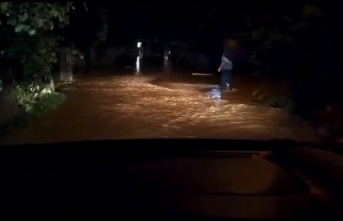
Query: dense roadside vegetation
[
  {"x": 31, "y": 35},
  {"x": 29, "y": 48},
  {"x": 297, "y": 44}
]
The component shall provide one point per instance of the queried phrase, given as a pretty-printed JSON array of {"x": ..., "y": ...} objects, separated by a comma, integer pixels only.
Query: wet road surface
[{"x": 133, "y": 106}]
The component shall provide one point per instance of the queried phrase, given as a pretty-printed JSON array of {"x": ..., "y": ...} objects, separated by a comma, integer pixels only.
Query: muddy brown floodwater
[{"x": 120, "y": 107}]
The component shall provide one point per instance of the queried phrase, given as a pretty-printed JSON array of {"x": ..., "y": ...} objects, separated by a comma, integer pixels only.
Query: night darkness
[
  {"x": 282, "y": 54},
  {"x": 197, "y": 109},
  {"x": 191, "y": 20}
]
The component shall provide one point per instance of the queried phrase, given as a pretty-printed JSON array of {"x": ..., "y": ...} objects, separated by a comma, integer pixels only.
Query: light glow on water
[
  {"x": 138, "y": 65},
  {"x": 131, "y": 107}
]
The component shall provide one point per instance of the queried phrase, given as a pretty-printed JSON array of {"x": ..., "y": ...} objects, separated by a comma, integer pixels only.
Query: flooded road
[{"x": 131, "y": 106}]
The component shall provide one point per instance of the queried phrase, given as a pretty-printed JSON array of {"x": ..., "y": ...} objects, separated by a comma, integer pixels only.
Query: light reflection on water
[
  {"x": 128, "y": 107},
  {"x": 138, "y": 65},
  {"x": 166, "y": 66},
  {"x": 139, "y": 61}
]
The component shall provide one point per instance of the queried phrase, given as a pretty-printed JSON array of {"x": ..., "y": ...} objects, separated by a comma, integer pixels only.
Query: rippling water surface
[{"x": 132, "y": 107}]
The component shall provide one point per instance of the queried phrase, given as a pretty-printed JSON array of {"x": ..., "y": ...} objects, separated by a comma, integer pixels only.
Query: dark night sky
[
  {"x": 158, "y": 18},
  {"x": 183, "y": 20},
  {"x": 175, "y": 20}
]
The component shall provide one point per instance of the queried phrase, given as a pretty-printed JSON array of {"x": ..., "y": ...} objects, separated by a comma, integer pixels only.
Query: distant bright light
[
  {"x": 139, "y": 44},
  {"x": 169, "y": 52}
]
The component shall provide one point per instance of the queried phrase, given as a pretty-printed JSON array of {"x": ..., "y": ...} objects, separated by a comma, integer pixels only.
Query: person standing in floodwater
[{"x": 225, "y": 70}]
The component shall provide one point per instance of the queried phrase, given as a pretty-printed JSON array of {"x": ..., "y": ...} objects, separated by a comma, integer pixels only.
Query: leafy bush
[
  {"x": 36, "y": 99},
  {"x": 28, "y": 94},
  {"x": 31, "y": 35},
  {"x": 277, "y": 96},
  {"x": 47, "y": 102},
  {"x": 281, "y": 101}
]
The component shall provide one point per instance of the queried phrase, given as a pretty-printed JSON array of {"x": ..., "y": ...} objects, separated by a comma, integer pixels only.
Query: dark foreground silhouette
[{"x": 168, "y": 179}]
